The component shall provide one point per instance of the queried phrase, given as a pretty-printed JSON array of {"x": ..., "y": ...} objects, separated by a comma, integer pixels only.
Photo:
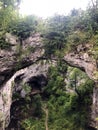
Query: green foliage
[
  {"x": 23, "y": 27},
  {"x": 77, "y": 38},
  {"x": 33, "y": 124},
  {"x": 34, "y": 119},
  {"x": 54, "y": 42},
  {"x": 38, "y": 105},
  {"x": 77, "y": 28},
  {"x": 4, "y": 44},
  {"x": 68, "y": 108},
  {"x": 65, "y": 110},
  {"x": 26, "y": 88},
  {"x": 8, "y": 12}
]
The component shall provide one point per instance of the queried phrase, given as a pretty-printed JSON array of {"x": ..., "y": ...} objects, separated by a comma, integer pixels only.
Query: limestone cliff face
[
  {"x": 22, "y": 64},
  {"x": 19, "y": 56},
  {"x": 83, "y": 61},
  {"x": 34, "y": 73},
  {"x": 20, "y": 60}
]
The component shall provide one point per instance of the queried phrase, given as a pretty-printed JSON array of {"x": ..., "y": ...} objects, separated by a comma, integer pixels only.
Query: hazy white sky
[{"x": 45, "y": 8}]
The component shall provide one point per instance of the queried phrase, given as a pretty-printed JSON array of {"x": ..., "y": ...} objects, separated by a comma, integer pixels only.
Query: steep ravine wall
[
  {"x": 28, "y": 65},
  {"x": 86, "y": 63},
  {"x": 12, "y": 64}
]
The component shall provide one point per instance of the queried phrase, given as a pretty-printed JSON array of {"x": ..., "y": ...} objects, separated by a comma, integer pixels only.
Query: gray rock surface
[
  {"x": 24, "y": 62},
  {"x": 15, "y": 61},
  {"x": 19, "y": 56},
  {"x": 84, "y": 62},
  {"x": 11, "y": 87}
]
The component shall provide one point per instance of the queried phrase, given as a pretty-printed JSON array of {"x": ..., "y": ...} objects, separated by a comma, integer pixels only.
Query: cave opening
[{"x": 36, "y": 83}]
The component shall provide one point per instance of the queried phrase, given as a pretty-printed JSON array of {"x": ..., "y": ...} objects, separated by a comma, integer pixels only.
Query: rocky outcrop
[
  {"x": 22, "y": 64},
  {"x": 30, "y": 75},
  {"x": 19, "y": 56},
  {"x": 20, "y": 60},
  {"x": 84, "y": 62}
]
